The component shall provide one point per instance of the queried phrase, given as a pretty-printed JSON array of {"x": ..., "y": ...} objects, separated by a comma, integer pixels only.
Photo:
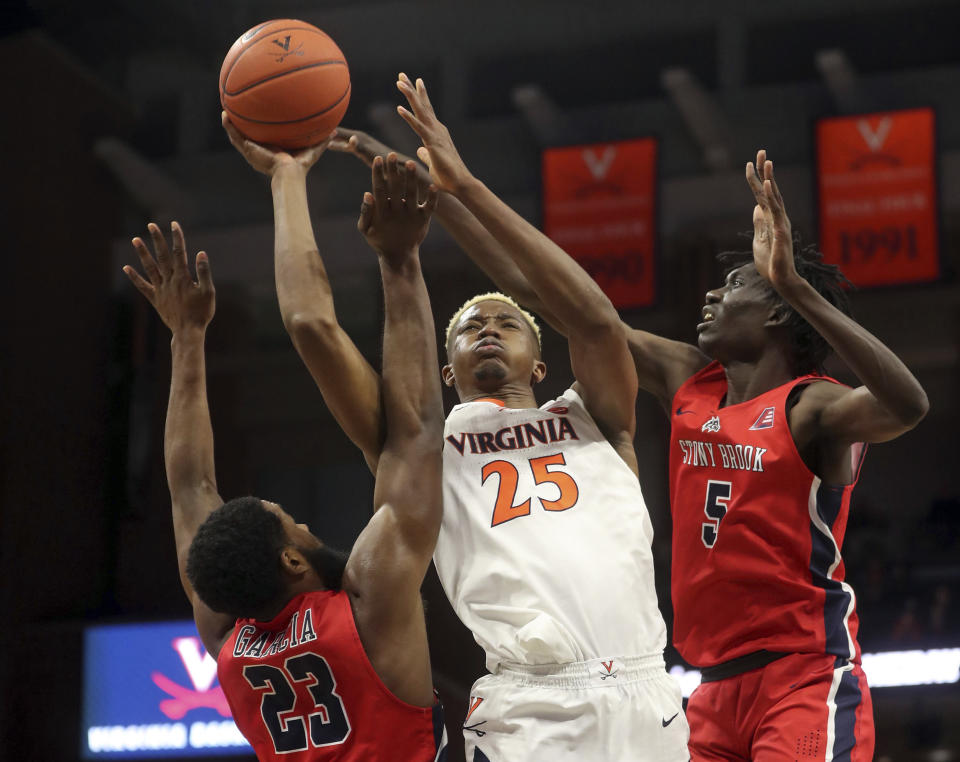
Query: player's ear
[
  {"x": 446, "y": 373},
  {"x": 539, "y": 372},
  {"x": 293, "y": 562},
  {"x": 779, "y": 314}
]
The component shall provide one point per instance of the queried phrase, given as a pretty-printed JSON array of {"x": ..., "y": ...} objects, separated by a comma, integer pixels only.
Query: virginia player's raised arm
[
  {"x": 349, "y": 385},
  {"x": 891, "y": 400},
  {"x": 186, "y": 307},
  {"x": 391, "y": 556},
  {"x": 599, "y": 355}
]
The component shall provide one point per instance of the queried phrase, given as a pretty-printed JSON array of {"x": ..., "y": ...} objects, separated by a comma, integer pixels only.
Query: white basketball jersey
[{"x": 544, "y": 550}]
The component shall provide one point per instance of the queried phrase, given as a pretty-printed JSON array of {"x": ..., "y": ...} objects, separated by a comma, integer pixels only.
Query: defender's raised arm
[
  {"x": 186, "y": 307},
  {"x": 891, "y": 400}
]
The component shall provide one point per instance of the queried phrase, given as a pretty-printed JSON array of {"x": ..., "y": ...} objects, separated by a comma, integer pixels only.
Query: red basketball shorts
[{"x": 799, "y": 708}]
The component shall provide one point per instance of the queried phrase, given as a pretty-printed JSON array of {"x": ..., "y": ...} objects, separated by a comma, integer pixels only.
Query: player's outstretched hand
[
  {"x": 182, "y": 302},
  {"x": 358, "y": 143},
  {"x": 267, "y": 160},
  {"x": 366, "y": 148},
  {"x": 772, "y": 232},
  {"x": 393, "y": 218},
  {"x": 438, "y": 152}
]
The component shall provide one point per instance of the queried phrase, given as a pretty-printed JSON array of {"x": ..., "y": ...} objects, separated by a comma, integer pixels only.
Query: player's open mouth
[{"x": 708, "y": 317}]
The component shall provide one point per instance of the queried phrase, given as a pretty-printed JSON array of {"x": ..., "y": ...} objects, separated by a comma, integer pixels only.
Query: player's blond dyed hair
[{"x": 493, "y": 296}]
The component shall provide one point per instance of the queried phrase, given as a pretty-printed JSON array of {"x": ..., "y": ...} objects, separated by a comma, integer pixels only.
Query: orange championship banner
[
  {"x": 599, "y": 206},
  {"x": 876, "y": 177}
]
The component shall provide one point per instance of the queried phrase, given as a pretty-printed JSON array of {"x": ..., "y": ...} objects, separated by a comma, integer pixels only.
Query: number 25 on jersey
[{"x": 504, "y": 509}]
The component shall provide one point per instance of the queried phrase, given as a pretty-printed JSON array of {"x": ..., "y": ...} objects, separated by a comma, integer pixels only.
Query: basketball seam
[
  {"x": 250, "y": 43},
  {"x": 292, "y": 121},
  {"x": 245, "y": 88}
]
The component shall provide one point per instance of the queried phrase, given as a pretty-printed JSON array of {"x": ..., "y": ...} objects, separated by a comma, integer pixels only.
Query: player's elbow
[
  {"x": 916, "y": 409},
  {"x": 311, "y": 327}
]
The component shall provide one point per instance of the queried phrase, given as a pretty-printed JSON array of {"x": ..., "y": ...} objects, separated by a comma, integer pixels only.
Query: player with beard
[
  {"x": 765, "y": 451},
  {"x": 321, "y": 655},
  {"x": 574, "y": 639}
]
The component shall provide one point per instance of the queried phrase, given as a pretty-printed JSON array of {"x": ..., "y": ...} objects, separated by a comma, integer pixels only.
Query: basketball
[{"x": 285, "y": 83}]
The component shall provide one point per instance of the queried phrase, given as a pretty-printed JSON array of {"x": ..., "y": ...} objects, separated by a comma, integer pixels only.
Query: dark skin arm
[
  {"x": 599, "y": 355},
  {"x": 349, "y": 385},
  {"x": 390, "y": 558},
  {"x": 186, "y": 306},
  {"x": 828, "y": 418}
]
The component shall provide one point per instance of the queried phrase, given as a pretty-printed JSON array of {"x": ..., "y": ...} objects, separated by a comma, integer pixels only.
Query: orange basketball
[{"x": 285, "y": 83}]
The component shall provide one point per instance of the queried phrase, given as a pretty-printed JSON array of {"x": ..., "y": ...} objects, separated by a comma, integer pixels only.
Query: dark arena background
[{"x": 111, "y": 118}]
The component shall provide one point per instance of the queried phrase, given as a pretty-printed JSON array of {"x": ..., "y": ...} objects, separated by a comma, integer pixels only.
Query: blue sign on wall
[{"x": 151, "y": 690}]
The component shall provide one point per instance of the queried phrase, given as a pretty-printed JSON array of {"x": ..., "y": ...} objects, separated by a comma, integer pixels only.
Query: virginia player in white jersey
[
  {"x": 545, "y": 546},
  {"x": 544, "y": 549},
  {"x": 544, "y": 552}
]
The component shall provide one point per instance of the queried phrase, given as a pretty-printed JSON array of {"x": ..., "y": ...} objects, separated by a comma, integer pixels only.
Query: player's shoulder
[
  {"x": 816, "y": 393},
  {"x": 573, "y": 395}
]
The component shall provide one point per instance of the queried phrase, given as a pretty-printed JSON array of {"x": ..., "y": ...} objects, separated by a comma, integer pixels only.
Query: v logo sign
[
  {"x": 875, "y": 138},
  {"x": 285, "y": 44},
  {"x": 607, "y": 665},
  {"x": 476, "y": 702},
  {"x": 599, "y": 166}
]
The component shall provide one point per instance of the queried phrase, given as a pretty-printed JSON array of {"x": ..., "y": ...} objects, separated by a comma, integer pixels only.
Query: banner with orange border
[
  {"x": 599, "y": 206},
  {"x": 878, "y": 210}
]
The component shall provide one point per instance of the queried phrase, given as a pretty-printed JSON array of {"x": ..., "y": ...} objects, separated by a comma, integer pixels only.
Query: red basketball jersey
[
  {"x": 301, "y": 688},
  {"x": 756, "y": 535}
]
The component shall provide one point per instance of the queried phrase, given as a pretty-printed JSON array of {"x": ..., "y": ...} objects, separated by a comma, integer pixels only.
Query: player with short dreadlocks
[
  {"x": 764, "y": 453},
  {"x": 809, "y": 349}
]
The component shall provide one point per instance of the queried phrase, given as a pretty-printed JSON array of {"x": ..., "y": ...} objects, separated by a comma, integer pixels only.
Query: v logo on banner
[
  {"x": 599, "y": 166},
  {"x": 200, "y": 666},
  {"x": 875, "y": 138}
]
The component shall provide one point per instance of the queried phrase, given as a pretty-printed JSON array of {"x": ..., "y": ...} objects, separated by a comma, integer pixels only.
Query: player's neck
[
  {"x": 509, "y": 395},
  {"x": 746, "y": 380},
  {"x": 306, "y": 584}
]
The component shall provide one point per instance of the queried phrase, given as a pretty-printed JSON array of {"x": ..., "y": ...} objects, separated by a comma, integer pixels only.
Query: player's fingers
[
  {"x": 415, "y": 124},
  {"x": 160, "y": 249},
  {"x": 424, "y": 98},
  {"x": 756, "y": 184},
  {"x": 232, "y": 132},
  {"x": 773, "y": 203},
  {"x": 378, "y": 181},
  {"x": 413, "y": 190},
  {"x": 395, "y": 184},
  {"x": 179, "y": 260},
  {"x": 366, "y": 212},
  {"x": 137, "y": 280},
  {"x": 761, "y": 161},
  {"x": 424, "y": 155},
  {"x": 429, "y": 206},
  {"x": 149, "y": 266},
  {"x": 768, "y": 174},
  {"x": 405, "y": 86},
  {"x": 204, "y": 278}
]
